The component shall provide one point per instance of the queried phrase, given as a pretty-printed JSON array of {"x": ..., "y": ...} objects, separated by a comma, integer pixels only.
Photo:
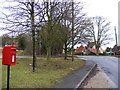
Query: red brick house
[
  {"x": 116, "y": 50},
  {"x": 88, "y": 50},
  {"x": 80, "y": 50}
]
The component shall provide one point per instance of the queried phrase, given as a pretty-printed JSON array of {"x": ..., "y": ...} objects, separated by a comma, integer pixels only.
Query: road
[{"x": 108, "y": 64}]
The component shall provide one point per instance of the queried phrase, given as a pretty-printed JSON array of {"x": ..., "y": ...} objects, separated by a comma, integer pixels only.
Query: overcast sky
[{"x": 105, "y": 8}]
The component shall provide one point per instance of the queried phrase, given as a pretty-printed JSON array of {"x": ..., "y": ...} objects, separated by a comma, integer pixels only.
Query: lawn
[
  {"x": 0, "y": 70},
  {"x": 47, "y": 74},
  {"x": 101, "y": 55},
  {"x": 0, "y": 74}
]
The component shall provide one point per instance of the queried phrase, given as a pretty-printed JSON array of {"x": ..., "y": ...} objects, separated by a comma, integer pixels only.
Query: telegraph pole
[{"x": 115, "y": 34}]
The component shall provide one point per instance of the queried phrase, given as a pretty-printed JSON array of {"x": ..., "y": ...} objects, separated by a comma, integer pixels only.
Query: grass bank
[
  {"x": 47, "y": 74},
  {"x": 101, "y": 55},
  {"x": 0, "y": 74}
]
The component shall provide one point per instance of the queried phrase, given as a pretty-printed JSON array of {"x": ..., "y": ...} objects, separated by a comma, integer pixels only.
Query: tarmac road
[{"x": 108, "y": 64}]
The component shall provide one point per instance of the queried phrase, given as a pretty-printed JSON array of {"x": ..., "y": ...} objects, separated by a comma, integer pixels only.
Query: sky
[{"x": 105, "y": 8}]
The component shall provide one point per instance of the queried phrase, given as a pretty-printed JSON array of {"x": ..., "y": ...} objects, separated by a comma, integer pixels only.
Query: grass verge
[
  {"x": 0, "y": 74},
  {"x": 101, "y": 55},
  {"x": 47, "y": 74},
  {"x": 0, "y": 69}
]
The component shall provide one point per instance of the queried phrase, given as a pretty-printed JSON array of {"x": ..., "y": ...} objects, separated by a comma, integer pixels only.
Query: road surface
[{"x": 108, "y": 64}]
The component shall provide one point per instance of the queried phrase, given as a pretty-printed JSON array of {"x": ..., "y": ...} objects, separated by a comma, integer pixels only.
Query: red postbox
[{"x": 9, "y": 55}]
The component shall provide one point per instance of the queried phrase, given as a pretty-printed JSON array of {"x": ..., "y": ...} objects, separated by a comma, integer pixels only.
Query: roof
[
  {"x": 94, "y": 50},
  {"x": 116, "y": 48},
  {"x": 118, "y": 52},
  {"x": 80, "y": 49},
  {"x": 90, "y": 44}
]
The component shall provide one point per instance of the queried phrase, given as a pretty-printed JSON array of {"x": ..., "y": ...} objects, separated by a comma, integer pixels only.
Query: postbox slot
[
  {"x": 13, "y": 49},
  {"x": 12, "y": 53},
  {"x": 13, "y": 59}
]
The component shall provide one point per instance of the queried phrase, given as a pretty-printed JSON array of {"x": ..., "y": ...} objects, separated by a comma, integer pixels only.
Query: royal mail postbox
[{"x": 9, "y": 55}]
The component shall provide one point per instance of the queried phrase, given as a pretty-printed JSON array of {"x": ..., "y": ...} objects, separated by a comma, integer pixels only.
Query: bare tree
[
  {"x": 52, "y": 17},
  {"x": 32, "y": 13},
  {"x": 79, "y": 21},
  {"x": 72, "y": 30},
  {"x": 23, "y": 17},
  {"x": 49, "y": 23},
  {"x": 99, "y": 30}
]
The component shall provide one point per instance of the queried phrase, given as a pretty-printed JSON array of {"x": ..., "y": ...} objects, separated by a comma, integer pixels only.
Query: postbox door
[{"x": 13, "y": 56}]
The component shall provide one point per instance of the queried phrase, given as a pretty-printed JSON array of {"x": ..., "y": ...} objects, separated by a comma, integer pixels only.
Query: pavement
[
  {"x": 99, "y": 79},
  {"x": 108, "y": 64},
  {"x": 74, "y": 80}
]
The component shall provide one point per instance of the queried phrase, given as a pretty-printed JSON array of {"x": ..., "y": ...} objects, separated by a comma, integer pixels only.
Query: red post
[{"x": 9, "y": 58}]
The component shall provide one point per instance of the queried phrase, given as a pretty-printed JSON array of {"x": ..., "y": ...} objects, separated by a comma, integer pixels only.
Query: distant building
[
  {"x": 88, "y": 50},
  {"x": 94, "y": 51},
  {"x": 80, "y": 50},
  {"x": 116, "y": 50}
]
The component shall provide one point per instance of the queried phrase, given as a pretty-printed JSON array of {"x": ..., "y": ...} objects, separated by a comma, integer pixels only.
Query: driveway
[{"x": 108, "y": 64}]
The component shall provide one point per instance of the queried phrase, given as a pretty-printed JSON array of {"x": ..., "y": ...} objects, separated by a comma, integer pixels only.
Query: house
[
  {"x": 92, "y": 50},
  {"x": 80, "y": 50},
  {"x": 91, "y": 44},
  {"x": 116, "y": 50},
  {"x": 88, "y": 50}
]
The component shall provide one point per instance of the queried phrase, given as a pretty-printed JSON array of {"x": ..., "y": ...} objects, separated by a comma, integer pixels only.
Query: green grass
[
  {"x": 101, "y": 55},
  {"x": 0, "y": 74},
  {"x": 0, "y": 70},
  {"x": 116, "y": 55},
  {"x": 47, "y": 74}
]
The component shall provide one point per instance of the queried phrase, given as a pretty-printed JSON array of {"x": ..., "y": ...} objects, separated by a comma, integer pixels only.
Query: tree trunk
[
  {"x": 48, "y": 53},
  {"x": 65, "y": 51},
  {"x": 33, "y": 33},
  {"x": 38, "y": 51},
  {"x": 72, "y": 30},
  {"x": 38, "y": 44},
  {"x": 97, "y": 51}
]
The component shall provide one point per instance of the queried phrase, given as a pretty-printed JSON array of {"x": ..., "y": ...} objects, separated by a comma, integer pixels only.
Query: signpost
[{"x": 9, "y": 58}]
